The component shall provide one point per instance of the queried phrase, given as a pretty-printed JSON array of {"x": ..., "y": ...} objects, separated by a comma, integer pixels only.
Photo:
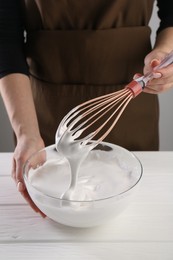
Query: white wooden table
[{"x": 144, "y": 231}]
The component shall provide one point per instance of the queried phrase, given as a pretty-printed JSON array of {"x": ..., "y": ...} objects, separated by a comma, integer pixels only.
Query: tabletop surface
[{"x": 144, "y": 231}]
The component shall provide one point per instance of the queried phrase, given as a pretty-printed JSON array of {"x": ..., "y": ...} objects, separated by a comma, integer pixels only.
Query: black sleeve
[
  {"x": 165, "y": 13},
  {"x": 12, "y": 58}
]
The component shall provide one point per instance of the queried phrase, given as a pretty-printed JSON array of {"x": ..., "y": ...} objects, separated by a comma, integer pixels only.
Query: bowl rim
[{"x": 85, "y": 201}]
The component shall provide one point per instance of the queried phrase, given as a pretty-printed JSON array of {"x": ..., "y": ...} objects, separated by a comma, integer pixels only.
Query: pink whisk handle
[{"x": 135, "y": 87}]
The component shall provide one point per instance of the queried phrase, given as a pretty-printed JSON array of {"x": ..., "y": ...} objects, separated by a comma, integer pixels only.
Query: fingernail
[
  {"x": 20, "y": 186},
  {"x": 154, "y": 62},
  {"x": 157, "y": 75},
  {"x": 136, "y": 76}
]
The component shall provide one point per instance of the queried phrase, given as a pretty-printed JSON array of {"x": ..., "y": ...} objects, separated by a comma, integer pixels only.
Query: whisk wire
[
  {"x": 105, "y": 106},
  {"x": 122, "y": 106},
  {"x": 93, "y": 104},
  {"x": 127, "y": 100}
]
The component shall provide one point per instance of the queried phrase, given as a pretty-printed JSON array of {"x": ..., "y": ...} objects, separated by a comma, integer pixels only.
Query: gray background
[{"x": 166, "y": 112}]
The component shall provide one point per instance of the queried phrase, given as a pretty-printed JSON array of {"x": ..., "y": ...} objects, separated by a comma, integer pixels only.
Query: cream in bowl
[{"x": 106, "y": 182}]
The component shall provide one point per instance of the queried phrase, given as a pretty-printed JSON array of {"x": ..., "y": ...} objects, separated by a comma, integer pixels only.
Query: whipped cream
[{"x": 101, "y": 175}]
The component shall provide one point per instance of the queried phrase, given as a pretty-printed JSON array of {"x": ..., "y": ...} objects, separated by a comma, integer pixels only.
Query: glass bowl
[{"x": 107, "y": 182}]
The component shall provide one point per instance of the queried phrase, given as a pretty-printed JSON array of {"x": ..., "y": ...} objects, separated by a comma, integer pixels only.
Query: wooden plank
[
  {"x": 87, "y": 251},
  {"x": 137, "y": 223}
]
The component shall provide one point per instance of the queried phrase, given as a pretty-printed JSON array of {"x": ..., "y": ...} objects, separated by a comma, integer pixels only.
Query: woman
[{"x": 74, "y": 51}]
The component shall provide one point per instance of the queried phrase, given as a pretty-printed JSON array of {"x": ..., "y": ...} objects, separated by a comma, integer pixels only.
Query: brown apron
[{"x": 77, "y": 50}]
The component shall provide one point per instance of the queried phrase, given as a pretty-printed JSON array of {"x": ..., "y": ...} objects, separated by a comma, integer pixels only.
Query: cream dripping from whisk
[{"x": 75, "y": 152}]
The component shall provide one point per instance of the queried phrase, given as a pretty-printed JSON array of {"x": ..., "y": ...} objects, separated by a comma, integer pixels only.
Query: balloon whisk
[{"x": 95, "y": 118}]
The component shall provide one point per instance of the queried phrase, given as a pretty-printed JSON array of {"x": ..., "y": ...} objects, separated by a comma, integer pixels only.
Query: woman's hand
[
  {"x": 17, "y": 96},
  {"x": 163, "y": 78},
  {"x": 25, "y": 148}
]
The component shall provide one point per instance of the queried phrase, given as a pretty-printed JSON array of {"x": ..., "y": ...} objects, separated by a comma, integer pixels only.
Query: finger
[
  {"x": 13, "y": 171},
  {"x": 18, "y": 166},
  {"x": 157, "y": 75},
  {"x": 156, "y": 89},
  {"x": 154, "y": 63},
  {"x": 152, "y": 60},
  {"x": 137, "y": 75},
  {"x": 18, "y": 180},
  {"x": 166, "y": 72},
  {"x": 31, "y": 203},
  {"x": 163, "y": 83},
  {"x": 19, "y": 176},
  {"x": 20, "y": 186}
]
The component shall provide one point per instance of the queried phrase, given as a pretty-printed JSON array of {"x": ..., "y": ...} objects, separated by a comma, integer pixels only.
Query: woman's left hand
[{"x": 163, "y": 78}]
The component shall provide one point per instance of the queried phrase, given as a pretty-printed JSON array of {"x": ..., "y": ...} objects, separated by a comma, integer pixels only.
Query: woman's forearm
[
  {"x": 164, "y": 40},
  {"x": 17, "y": 96}
]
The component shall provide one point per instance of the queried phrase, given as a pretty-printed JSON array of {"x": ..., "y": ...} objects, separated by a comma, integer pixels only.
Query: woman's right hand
[{"x": 26, "y": 146}]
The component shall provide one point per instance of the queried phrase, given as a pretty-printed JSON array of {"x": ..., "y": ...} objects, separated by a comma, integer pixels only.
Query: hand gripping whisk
[{"x": 102, "y": 113}]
